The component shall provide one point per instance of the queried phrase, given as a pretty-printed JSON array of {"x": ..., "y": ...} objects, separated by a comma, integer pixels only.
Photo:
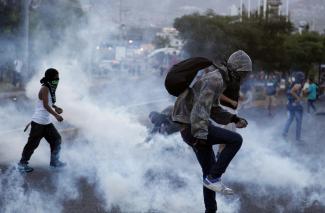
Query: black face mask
[
  {"x": 238, "y": 76},
  {"x": 234, "y": 76},
  {"x": 52, "y": 85}
]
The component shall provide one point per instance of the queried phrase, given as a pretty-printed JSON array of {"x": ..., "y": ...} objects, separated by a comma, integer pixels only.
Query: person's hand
[
  {"x": 234, "y": 104},
  {"x": 299, "y": 100},
  {"x": 242, "y": 123},
  {"x": 58, "y": 110},
  {"x": 199, "y": 142},
  {"x": 59, "y": 118}
]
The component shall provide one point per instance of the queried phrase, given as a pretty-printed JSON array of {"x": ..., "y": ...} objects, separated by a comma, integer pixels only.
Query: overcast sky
[{"x": 163, "y": 12}]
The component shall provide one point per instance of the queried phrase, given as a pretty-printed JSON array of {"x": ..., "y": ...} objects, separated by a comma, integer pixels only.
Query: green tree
[
  {"x": 216, "y": 37},
  {"x": 10, "y": 13},
  {"x": 51, "y": 23},
  {"x": 54, "y": 20},
  {"x": 304, "y": 50},
  {"x": 205, "y": 35},
  {"x": 161, "y": 42}
]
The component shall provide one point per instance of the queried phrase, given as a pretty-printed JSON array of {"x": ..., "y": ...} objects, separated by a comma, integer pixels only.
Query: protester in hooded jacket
[
  {"x": 193, "y": 109},
  {"x": 41, "y": 125}
]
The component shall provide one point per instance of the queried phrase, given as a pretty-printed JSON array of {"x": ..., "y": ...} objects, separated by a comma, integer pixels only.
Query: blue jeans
[
  {"x": 206, "y": 157},
  {"x": 297, "y": 114}
]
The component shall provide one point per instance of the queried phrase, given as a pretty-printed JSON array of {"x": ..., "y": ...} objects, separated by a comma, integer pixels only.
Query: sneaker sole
[
  {"x": 25, "y": 171},
  {"x": 57, "y": 168},
  {"x": 205, "y": 184}
]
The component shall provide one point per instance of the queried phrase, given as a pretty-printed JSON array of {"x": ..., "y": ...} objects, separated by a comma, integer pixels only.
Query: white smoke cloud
[{"x": 110, "y": 155}]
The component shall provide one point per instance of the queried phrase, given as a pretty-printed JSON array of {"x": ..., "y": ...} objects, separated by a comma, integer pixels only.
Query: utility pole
[
  {"x": 241, "y": 10},
  {"x": 258, "y": 7},
  {"x": 120, "y": 12},
  {"x": 249, "y": 8},
  {"x": 287, "y": 10},
  {"x": 264, "y": 8},
  {"x": 26, "y": 37},
  {"x": 27, "y": 6},
  {"x": 313, "y": 26}
]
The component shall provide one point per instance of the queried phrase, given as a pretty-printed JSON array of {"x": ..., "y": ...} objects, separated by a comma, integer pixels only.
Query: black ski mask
[{"x": 51, "y": 81}]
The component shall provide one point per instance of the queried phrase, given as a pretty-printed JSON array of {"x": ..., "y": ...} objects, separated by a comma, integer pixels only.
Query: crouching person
[{"x": 162, "y": 123}]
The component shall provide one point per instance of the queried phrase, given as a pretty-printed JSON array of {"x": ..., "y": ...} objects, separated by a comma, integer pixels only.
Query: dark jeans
[
  {"x": 37, "y": 132},
  {"x": 206, "y": 157},
  {"x": 310, "y": 103}
]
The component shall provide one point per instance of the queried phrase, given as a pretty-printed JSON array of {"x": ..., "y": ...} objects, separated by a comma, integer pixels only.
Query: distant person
[
  {"x": 41, "y": 125},
  {"x": 162, "y": 70},
  {"x": 271, "y": 85},
  {"x": 174, "y": 59},
  {"x": 17, "y": 78},
  {"x": 247, "y": 91},
  {"x": 294, "y": 106},
  {"x": 311, "y": 95},
  {"x": 305, "y": 87},
  {"x": 1, "y": 72}
]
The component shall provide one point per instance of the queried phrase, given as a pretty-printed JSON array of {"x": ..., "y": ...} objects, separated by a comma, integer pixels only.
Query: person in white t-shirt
[{"x": 41, "y": 125}]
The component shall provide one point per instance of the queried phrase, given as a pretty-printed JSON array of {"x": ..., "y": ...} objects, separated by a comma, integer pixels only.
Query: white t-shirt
[
  {"x": 306, "y": 86},
  {"x": 41, "y": 115}
]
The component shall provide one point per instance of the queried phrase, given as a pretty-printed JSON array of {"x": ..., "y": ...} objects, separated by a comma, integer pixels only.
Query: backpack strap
[
  {"x": 210, "y": 68},
  {"x": 224, "y": 73}
]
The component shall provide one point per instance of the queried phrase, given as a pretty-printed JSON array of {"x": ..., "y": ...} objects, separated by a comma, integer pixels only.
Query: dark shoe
[
  {"x": 300, "y": 141},
  {"x": 57, "y": 164},
  {"x": 23, "y": 167},
  {"x": 210, "y": 211}
]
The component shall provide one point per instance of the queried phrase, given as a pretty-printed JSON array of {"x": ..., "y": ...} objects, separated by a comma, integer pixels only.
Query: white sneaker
[{"x": 217, "y": 186}]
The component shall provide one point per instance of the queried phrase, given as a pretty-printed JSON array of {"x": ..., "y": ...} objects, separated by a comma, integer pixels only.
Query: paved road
[{"x": 88, "y": 201}]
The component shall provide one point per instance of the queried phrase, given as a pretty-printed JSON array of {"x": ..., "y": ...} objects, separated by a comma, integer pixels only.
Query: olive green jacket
[{"x": 196, "y": 105}]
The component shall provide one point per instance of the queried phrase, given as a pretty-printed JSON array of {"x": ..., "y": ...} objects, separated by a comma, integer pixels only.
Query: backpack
[{"x": 182, "y": 74}]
